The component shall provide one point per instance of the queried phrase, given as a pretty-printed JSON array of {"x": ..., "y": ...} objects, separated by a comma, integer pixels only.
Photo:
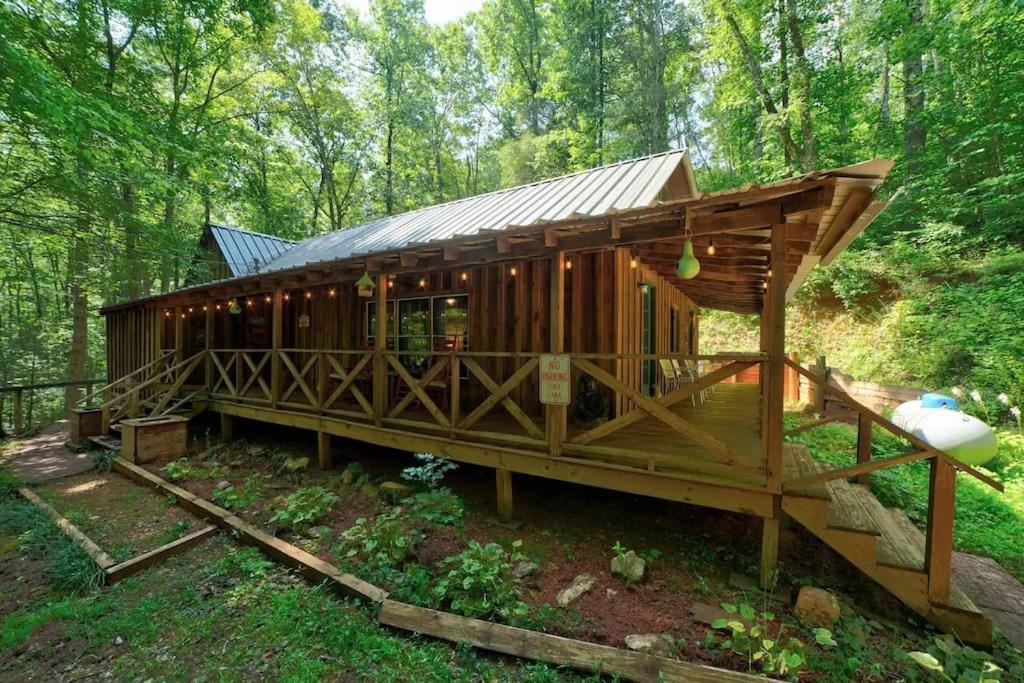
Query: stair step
[
  {"x": 116, "y": 427},
  {"x": 849, "y": 510},
  {"x": 796, "y": 463}
]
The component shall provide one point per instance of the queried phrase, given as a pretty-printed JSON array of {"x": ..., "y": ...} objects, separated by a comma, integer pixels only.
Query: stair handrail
[
  {"x": 159, "y": 359},
  {"x": 926, "y": 452},
  {"x": 152, "y": 380}
]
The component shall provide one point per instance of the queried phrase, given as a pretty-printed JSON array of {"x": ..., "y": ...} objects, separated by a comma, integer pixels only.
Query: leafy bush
[
  {"x": 948, "y": 661},
  {"x": 305, "y": 506},
  {"x": 479, "y": 582},
  {"x": 243, "y": 496},
  {"x": 430, "y": 471},
  {"x": 178, "y": 470},
  {"x": 439, "y": 506},
  {"x": 71, "y": 568},
  {"x": 103, "y": 459},
  {"x": 385, "y": 542},
  {"x": 751, "y": 637},
  {"x": 9, "y": 484}
]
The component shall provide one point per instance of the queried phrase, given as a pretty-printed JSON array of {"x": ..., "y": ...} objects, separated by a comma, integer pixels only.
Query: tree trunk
[
  {"x": 77, "y": 264},
  {"x": 809, "y": 156},
  {"x": 913, "y": 94}
]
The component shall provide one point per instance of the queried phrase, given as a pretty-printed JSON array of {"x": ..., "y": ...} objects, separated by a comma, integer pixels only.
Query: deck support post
[
  {"x": 276, "y": 338},
  {"x": 179, "y": 335},
  {"x": 774, "y": 328},
  {"x": 556, "y": 416},
  {"x": 323, "y": 450},
  {"x": 208, "y": 334},
  {"x": 227, "y": 428},
  {"x": 503, "y": 478},
  {"x": 864, "y": 446},
  {"x": 770, "y": 546},
  {"x": 938, "y": 556},
  {"x": 380, "y": 345}
]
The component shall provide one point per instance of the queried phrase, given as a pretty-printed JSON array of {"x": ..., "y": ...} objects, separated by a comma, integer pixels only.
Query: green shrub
[
  {"x": 948, "y": 661},
  {"x": 241, "y": 497},
  {"x": 439, "y": 506},
  {"x": 71, "y": 568},
  {"x": 385, "y": 542},
  {"x": 178, "y": 470},
  {"x": 430, "y": 471},
  {"x": 103, "y": 459},
  {"x": 304, "y": 507},
  {"x": 9, "y": 484},
  {"x": 479, "y": 582}
]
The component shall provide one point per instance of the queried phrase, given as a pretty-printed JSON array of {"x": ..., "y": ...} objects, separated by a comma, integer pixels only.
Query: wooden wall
[{"x": 133, "y": 340}]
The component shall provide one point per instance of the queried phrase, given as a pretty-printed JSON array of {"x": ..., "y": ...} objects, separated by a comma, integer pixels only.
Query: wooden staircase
[{"x": 881, "y": 542}]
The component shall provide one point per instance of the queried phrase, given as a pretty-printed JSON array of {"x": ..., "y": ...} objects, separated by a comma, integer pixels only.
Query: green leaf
[{"x": 925, "y": 660}]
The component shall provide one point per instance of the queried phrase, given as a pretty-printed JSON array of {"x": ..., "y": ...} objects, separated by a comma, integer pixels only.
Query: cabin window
[
  {"x": 414, "y": 331},
  {"x": 451, "y": 323},
  {"x": 439, "y": 323}
]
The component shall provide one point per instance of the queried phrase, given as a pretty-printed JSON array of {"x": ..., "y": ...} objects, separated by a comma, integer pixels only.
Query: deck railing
[{"x": 942, "y": 488}]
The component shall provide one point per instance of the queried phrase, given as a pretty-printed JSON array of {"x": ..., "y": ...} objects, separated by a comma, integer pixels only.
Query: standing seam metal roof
[
  {"x": 247, "y": 252},
  {"x": 607, "y": 189}
]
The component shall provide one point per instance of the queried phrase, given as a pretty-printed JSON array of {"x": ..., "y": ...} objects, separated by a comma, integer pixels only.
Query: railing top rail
[
  {"x": 243, "y": 350},
  {"x": 930, "y": 450},
  {"x": 156, "y": 361},
  {"x": 51, "y": 385},
  {"x": 713, "y": 357}
]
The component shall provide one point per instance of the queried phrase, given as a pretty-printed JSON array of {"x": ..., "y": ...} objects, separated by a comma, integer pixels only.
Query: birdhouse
[{"x": 364, "y": 285}]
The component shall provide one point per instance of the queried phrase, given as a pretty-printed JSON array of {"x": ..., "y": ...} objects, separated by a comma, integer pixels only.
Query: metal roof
[
  {"x": 604, "y": 190},
  {"x": 247, "y": 252}
]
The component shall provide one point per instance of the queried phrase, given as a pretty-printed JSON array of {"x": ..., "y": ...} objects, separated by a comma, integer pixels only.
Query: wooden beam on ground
[
  {"x": 101, "y": 558},
  {"x": 135, "y": 565},
  {"x": 309, "y": 565},
  {"x": 544, "y": 647}
]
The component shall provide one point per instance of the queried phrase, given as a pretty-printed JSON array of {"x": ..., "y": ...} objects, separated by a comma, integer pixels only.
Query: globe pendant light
[{"x": 688, "y": 266}]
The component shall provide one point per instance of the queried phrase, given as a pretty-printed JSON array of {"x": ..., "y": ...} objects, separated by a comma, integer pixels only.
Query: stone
[
  {"x": 657, "y": 644},
  {"x": 224, "y": 484},
  {"x": 368, "y": 490},
  {"x": 353, "y": 472},
  {"x": 610, "y": 593},
  {"x": 816, "y": 607},
  {"x": 295, "y": 464},
  {"x": 629, "y": 566},
  {"x": 255, "y": 451},
  {"x": 580, "y": 585},
  {"x": 319, "y": 531},
  {"x": 393, "y": 491},
  {"x": 523, "y": 569}
]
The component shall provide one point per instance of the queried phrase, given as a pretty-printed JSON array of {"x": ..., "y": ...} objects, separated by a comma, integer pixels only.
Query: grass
[
  {"x": 987, "y": 522},
  {"x": 225, "y": 613}
]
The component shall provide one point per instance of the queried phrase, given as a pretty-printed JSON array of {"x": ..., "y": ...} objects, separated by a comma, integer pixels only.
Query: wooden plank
[
  {"x": 556, "y": 416},
  {"x": 939, "y": 536},
  {"x": 854, "y": 470},
  {"x": 135, "y": 565},
  {"x": 847, "y": 511},
  {"x": 845, "y": 415},
  {"x": 101, "y": 558},
  {"x": 310, "y": 565},
  {"x": 500, "y": 394},
  {"x": 380, "y": 364},
  {"x": 418, "y": 390},
  {"x": 864, "y": 446},
  {"x": 503, "y": 480},
  {"x": 580, "y": 655}
]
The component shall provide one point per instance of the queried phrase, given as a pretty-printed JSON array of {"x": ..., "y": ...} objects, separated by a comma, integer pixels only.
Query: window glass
[
  {"x": 414, "y": 331},
  {"x": 451, "y": 323},
  {"x": 371, "y": 321}
]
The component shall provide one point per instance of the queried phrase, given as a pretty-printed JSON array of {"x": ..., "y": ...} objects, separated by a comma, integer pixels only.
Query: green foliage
[
  {"x": 765, "y": 649},
  {"x": 478, "y": 582},
  {"x": 236, "y": 497},
  {"x": 948, "y": 661},
  {"x": 72, "y": 569},
  {"x": 179, "y": 469},
  {"x": 103, "y": 459},
  {"x": 69, "y": 567},
  {"x": 9, "y": 484},
  {"x": 303, "y": 507},
  {"x": 384, "y": 542},
  {"x": 440, "y": 506},
  {"x": 430, "y": 471}
]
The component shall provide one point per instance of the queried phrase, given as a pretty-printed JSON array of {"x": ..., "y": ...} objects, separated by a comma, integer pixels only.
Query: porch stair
[{"x": 881, "y": 542}]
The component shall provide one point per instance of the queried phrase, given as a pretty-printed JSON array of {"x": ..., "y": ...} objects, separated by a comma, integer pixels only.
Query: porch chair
[
  {"x": 688, "y": 374},
  {"x": 669, "y": 376}
]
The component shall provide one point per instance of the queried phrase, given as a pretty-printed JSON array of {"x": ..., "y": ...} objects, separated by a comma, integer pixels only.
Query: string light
[
  {"x": 167, "y": 314},
  {"x": 711, "y": 247},
  {"x": 266, "y": 299},
  {"x": 309, "y": 295},
  {"x": 287, "y": 297},
  {"x": 217, "y": 307},
  {"x": 189, "y": 309},
  {"x": 331, "y": 291},
  {"x": 183, "y": 315},
  {"x": 512, "y": 271},
  {"x": 632, "y": 262},
  {"x": 248, "y": 302},
  {"x": 568, "y": 264},
  {"x": 769, "y": 272},
  {"x": 423, "y": 282},
  {"x": 465, "y": 276},
  {"x": 205, "y": 307}
]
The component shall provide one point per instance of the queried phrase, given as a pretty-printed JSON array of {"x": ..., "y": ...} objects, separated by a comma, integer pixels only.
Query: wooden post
[
  {"x": 818, "y": 393},
  {"x": 208, "y": 364},
  {"x": 323, "y": 450},
  {"x": 556, "y": 415},
  {"x": 864, "y": 446},
  {"x": 19, "y": 417},
  {"x": 939, "y": 542},
  {"x": 770, "y": 550},
  {"x": 227, "y": 428},
  {"x": 792, "y": 379},
  {"x": 321, "y": 380},
  {"x": 179, "y": 336},
  {"x": 504, "y": 482},
  {"x": 105, "y": 419},
  {"x": 276, "y": 339},
  {"x": 456, "y": 395},
  {"x": 775, "y": 328},
  {"x": 380, "y": 363}
]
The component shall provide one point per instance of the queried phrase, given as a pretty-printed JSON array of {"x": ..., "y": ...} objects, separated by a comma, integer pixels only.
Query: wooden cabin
[{"x": 544, "y": 330}]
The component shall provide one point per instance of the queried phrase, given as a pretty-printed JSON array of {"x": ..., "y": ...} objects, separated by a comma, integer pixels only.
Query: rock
[
  {"x": 255, "y": 451},
  {"x": 369, "y": 490},
  {"x": 580, "y": 585},
  {"x": 523, "y": 569},
  {"x": 352, "y": 473},
  {"x": 224, "y": 484},
  {"x": 118, "y": 641},
  {"x": 658, "y": 644},
  {"x": 610, "y": 593},
  {"x": 630, "y": 566},
  {"x": 816, "y": 607},
  {"x": 319, "y": 531},
  {"x": 393, "y": 491},
  {"x": 295, "y": 464}
]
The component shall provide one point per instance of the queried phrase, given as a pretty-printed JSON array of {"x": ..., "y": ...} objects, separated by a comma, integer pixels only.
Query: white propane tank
[{"x": 964, "y": 437}]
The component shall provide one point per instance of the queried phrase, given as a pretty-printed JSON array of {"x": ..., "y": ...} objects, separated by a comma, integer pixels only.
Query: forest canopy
[{"x": 125, "y": 125}]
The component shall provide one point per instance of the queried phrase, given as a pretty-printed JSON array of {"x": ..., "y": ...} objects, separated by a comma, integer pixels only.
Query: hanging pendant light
[{"x": 364, "y": 285}]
